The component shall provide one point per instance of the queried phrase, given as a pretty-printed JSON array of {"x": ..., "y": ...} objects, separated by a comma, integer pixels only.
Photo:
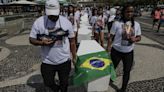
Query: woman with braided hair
[{"x": 123, "y": 35}]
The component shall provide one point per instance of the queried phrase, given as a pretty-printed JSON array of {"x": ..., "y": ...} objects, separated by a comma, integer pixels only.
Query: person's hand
[
  {"x": 74, "y": 59},
  {"x": 108, "y": 49},
  {"x": 74, "y": 62},
  {"x": 47, "y": 41},
  {"x": 78, "y": 26},
  {"x": 133, "y": 39}
]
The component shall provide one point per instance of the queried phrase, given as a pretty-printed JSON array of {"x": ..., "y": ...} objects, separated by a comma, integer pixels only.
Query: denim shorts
[
  {"x": 98, "y": 30},
  {"x": 161, "y": 21}
]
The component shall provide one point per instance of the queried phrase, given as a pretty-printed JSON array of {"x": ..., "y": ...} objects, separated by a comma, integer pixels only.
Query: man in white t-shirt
[
  {"x": 77, "y": 22},
  {"x": 54, "y": 33},
  {"x": 77, "y": 18}
]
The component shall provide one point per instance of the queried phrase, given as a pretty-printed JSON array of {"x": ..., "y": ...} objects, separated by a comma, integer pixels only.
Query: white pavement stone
[
  {"x": 4, "y": 53},
  {"x": 22, "y": 80},
  {"x": 148, "y": 61},
  {"x": 19, "y": 40}
]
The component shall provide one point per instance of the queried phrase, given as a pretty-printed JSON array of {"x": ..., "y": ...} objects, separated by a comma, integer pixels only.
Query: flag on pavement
[{"x": 92, "y": 66}]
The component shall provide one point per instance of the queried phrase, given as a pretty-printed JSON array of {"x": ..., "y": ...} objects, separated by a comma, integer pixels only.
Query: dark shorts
[
  {"x": 155, "y": 20},
  {"x": 98, "y": 30},
  {"x": 109, "y": 25},
  {"x": 161, "y": 21}
]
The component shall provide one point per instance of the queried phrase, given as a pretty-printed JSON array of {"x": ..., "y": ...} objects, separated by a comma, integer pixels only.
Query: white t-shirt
[
  {"x": 111, "y": 18},
  {"x": 120, "y": 41},
  {"x": 77, "y": 15},
  {"x": 93, "y": 20},
  {"x": 59, "y": 52},
  {"x": 102, "y": 18},
  {"x": 77, "y": 20}
]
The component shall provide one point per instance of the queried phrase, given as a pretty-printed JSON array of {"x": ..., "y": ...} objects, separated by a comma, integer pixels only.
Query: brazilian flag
[{"x": 92, "y": 66}]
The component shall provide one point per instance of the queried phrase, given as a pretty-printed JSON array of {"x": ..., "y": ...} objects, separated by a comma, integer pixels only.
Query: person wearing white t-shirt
[
  {"x": 93, "y": 20},
  {"x": 77, "y": 22},
  {"x": 98, "y": 25},
  {"x": 54, "y": 33},
  {"x": 111, "y": 18},
  {"x": 124, "y": 33}
]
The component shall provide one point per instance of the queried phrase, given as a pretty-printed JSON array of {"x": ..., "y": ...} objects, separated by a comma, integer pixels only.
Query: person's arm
[
  {"x": 77, "y": 19},
  {"x": 109, "y": 42},
  {"x": 36, "y": 42},
  {"x": 78, "y": 24},
  {"x": 73, "y": 49},
  {"x": 111, "y": 35},
  {"x": 72, "y": 42},
  {"x": 35, "y": 30},
  {"x": 42, "y": 42},
  {"x": 135, "y": 39},
  {"x": 93, "y": 27}
]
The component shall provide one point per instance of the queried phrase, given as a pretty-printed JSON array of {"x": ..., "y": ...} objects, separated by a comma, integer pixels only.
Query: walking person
[
  {"x": 161, "y": 19},
  {"x": 54, "y": 33},
  {"x": 99, "y": 27},
  {"x": 77, "y": 22},
  {"x": 111, "y": 18},
  {"x": 98, "y": 24},
  {"x": 93, "y": 20},
  {"x": 156, "y": 16},
  {"x": 123, "y": 35}
]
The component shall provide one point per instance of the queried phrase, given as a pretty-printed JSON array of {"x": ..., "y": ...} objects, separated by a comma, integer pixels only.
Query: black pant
[
  {"x": 48, "y": 74},
  {"x": 109, "y": 25},
  {"x": 127, "y": 59}
]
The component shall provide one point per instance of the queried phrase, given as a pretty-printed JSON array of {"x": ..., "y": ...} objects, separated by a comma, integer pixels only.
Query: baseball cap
[
  {"x": 52, "y": 7},
  {"x": 112, "y": 11}
]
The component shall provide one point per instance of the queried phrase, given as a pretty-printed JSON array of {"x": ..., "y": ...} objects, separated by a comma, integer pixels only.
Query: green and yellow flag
[{"x": 92, "y": 66}]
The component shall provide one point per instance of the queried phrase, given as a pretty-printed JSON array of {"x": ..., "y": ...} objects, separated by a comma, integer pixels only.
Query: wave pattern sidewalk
[{"x": 19, "y": 71}]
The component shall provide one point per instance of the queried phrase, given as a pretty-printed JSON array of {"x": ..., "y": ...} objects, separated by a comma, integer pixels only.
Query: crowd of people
[{"x": 57, "y": 32}]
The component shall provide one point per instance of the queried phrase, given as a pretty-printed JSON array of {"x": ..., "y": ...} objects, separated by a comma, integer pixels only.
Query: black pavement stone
[
  {"x": 35, "y": 84},
  {"x": 19, "y": 62},
  {"x": 154, "y": 85},
  {"x": 2, "y": 34},
  {"x": 38, "y": 88}
]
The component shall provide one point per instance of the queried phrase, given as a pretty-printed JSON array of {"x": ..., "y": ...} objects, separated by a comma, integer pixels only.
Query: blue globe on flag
[{"x": 97, "y": 63}]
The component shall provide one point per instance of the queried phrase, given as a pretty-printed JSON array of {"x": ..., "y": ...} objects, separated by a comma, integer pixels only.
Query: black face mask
[{"x": 53, "y": 18}]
